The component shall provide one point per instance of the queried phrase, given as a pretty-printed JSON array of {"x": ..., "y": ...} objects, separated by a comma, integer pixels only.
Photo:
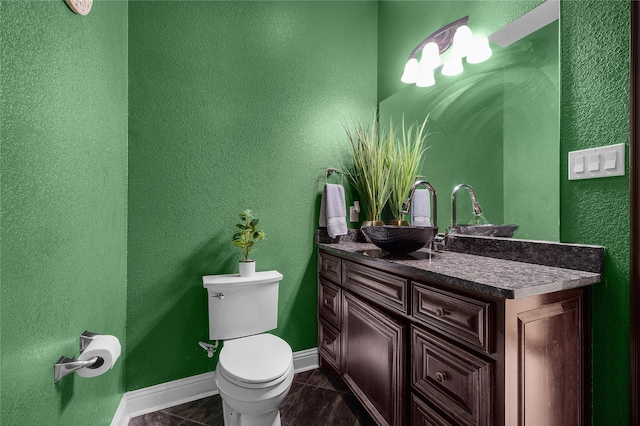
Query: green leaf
[{"x": 248, "y": 233}]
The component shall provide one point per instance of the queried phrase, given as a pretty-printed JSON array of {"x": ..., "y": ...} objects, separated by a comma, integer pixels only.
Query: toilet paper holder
[{"x": 65, "y": 365}]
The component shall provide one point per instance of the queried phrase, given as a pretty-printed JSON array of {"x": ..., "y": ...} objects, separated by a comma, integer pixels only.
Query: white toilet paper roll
[{"x": 107, "y": 348}]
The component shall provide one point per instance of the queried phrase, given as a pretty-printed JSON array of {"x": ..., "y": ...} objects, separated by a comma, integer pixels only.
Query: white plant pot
[{"x": 247, "y": 269}]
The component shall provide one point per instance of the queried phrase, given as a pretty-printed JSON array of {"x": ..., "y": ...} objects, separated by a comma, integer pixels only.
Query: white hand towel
[
  {"x": 333, "y": 213},
  {"x": 421, "y": 208}
]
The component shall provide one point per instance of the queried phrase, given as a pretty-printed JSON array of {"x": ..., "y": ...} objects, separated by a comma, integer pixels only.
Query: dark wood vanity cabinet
[{"x": 425, "y": 353}]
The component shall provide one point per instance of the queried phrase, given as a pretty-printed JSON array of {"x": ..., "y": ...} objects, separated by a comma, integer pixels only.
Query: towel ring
[{"x": 332, "y": 170}]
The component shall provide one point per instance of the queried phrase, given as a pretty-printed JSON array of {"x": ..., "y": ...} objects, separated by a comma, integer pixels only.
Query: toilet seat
[{"x": 257, "y": 361}]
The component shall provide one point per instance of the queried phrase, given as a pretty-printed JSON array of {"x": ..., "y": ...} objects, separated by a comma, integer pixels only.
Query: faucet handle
[{"x": 405, "y": 208}]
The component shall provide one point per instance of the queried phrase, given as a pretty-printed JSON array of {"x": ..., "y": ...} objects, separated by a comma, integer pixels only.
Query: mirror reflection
[{"x": 496, "y": 128}]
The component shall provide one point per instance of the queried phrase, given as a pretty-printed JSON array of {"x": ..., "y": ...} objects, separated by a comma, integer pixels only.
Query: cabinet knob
[
  {"x": 440, "y": 312},
  {"x": 325, "y": 301},
  {"x": 441, "y": 377}
]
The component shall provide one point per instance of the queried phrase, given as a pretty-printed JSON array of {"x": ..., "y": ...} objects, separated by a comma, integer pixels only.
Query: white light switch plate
[
  {"x": 598, "y": 162},
  {"x": 353, "y": 214}
]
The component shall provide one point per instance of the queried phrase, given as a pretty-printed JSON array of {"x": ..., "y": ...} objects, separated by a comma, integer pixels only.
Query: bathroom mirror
[{"x": 495, "y": 127}]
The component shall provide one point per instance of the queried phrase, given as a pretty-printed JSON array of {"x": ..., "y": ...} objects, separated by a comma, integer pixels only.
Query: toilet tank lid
[{"x": 237, "y": 280}]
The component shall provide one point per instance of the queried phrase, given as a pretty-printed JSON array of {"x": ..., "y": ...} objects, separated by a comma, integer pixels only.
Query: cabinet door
[
  {"x": 545, "y": 359},
  {"x": 373, "y": 354}
]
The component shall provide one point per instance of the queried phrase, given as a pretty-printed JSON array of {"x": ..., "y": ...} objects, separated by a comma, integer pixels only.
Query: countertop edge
[{"x": 574, "y": 279}]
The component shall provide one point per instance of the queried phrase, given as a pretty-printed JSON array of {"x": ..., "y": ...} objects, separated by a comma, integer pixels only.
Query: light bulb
[
  {"x": 480, "y": 51},
  {"x": 426, "y": 78},
  {"x": 453, "y": 66},
  {"x": 430, "y": 56},
  {"x": 411, "y": 71},
  {"x": 461, "y": 41}
]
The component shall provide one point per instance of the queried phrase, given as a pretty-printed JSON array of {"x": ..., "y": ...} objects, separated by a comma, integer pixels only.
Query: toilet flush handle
[
  {"x": 208, "y": 347},
  {"x": 218, "y": 295}
]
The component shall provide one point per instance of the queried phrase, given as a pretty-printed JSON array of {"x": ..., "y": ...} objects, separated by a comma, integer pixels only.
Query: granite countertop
[{"x": 498, "y": 277}]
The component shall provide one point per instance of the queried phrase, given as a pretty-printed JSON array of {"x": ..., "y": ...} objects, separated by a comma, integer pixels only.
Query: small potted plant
[{"x": 245, "y": 238}]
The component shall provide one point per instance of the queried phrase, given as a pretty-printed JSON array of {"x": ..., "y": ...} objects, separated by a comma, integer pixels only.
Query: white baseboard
[
  {"x": 305, "y": 360},
  {"x": 169, "y": 394}
]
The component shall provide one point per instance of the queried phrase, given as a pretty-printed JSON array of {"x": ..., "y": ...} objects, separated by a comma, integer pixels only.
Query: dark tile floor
[{"x": 316, "y": 398}]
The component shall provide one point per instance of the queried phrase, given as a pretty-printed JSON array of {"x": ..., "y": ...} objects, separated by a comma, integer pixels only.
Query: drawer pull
[
  {"x": 440, "y": 312},
  {"x": 441, "y": 377},
  {"x": 325, "y": 301}
]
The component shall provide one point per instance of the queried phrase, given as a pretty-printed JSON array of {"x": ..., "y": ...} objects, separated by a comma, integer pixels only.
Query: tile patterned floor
[{"x": 316, "y": 398}]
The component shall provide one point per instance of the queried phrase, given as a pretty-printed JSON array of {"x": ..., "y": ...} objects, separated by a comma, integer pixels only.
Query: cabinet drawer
[
  {"x": 458, "y": 382},
  {"x": 461, "y": 318},
  {"x": 329, "y": 267},
  {"x": 329, "y": 296},
  {"x": 390, "y": 290},
  {"x": 329, "y": 343},
  {"x": 423, "y": 415}
]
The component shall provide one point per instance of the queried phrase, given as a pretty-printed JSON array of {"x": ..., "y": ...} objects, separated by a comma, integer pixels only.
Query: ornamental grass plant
[{"x": 370, "y": 172}]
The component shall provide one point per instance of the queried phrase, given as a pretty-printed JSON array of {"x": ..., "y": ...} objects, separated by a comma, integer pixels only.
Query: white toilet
[{"x": 255, "y": 369}]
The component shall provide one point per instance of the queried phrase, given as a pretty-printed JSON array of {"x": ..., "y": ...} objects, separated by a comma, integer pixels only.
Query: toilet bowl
[
  {"x": 254, "y": 375},
  {"x": 255, "y": 369}
]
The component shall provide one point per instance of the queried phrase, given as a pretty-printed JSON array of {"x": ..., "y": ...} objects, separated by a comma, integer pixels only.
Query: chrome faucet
[
  {"x": 406, "y": 206},
  {"x": 477, "y": 210}
]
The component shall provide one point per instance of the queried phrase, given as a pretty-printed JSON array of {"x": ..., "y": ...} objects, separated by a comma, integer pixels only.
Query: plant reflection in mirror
[{"x": 405, "y": 163}]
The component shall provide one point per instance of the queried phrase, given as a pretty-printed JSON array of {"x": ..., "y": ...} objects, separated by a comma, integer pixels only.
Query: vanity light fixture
[{"x": 456, "y": 36}]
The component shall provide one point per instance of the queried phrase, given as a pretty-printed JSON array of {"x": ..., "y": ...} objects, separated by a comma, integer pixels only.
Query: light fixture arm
[{"x": 443, "y": 37}]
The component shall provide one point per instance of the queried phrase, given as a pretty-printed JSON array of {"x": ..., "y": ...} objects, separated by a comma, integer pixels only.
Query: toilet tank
[{"x": 242, "y": 306}]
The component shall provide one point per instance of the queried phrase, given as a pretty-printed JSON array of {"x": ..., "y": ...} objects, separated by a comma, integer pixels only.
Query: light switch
[
  {"x": 594, "y": 163},
  {"x": 610, "y": 160},
  {"x": 603, "y": 161},
  {"x": 578, "y": 166},
  {"x": 353, "y": 214}
]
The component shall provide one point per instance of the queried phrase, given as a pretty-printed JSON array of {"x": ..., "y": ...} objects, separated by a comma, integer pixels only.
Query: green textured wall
[
  {"x": 595, "y": 112},
  {"x": 233, "y": 105},
  {"x": 63, "y": 156}
]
